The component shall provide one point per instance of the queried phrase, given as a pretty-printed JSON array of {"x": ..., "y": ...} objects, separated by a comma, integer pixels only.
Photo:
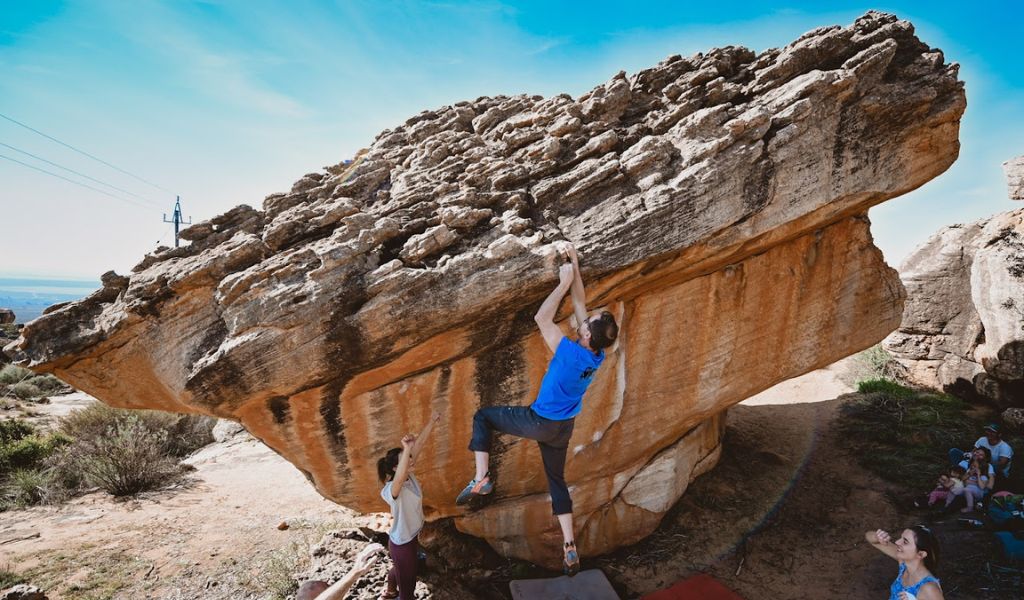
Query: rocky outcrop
[
  {"x": 963, "y": 325},
  {"x": 1013, "y": 419},
  {"x": 1015, "y": 177},
  {"x": 718, "y": 203},
  {"x": 7, "y": 316}
]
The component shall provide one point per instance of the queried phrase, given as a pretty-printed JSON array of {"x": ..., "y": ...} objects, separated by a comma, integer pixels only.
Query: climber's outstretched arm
[
  {"x": 578, "y": 293},
  {"x": 545, "y": 316}
]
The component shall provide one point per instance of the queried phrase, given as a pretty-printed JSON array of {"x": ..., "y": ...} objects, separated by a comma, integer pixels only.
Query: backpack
[{"x": 1006, "y": 512}]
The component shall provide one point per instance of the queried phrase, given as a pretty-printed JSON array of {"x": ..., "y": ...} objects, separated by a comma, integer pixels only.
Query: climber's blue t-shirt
[{"x": 571, "y": 370}]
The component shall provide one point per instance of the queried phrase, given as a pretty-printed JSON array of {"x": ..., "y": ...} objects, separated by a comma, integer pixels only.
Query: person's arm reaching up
[
  {"x": 421, "y": 439},
  {"x": 366, "y": 558},
  {"x": 402, "y": 471},
  {"x": 545, "y": 316},
  {"x": 577, "y": 291}
]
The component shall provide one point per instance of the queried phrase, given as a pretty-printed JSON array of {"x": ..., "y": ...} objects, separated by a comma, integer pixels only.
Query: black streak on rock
[
  {"x": 499, "y": 375},
  {"x": 344, "y": 351},
  {"x": 278, "y": 405}
]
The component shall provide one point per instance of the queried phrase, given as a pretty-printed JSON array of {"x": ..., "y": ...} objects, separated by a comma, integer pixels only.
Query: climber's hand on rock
[
  {"x": 570, "y": 252},
  {"x": 435, "y": 416},
  {"x": 408, "y": 441},
  {"x": 565, "y": 273}
]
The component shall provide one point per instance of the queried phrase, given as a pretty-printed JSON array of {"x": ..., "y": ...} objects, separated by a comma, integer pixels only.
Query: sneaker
[
  {"x": 474, "y": 489},
  {"x": 571, "y": 562}
]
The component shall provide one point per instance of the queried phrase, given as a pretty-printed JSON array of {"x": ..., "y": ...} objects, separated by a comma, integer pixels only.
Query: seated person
[
  {"x": 980, "y": 478},
  {"x": 950, "y": 485},
  {"x": 1002, "y": 453}
]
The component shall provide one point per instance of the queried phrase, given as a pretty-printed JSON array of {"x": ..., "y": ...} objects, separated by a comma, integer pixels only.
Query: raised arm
[
  {"x": 366, "y": 558},
  {"x": 421, "y": 439},
  {"x": 881, "y": 541},
  {"x": 402, "y": 470},
  {"x": 577, "y": 292},
  {"x": 545, "y": 316}
]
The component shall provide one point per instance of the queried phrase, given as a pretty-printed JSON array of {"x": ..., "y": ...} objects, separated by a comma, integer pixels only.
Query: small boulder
[
  {"x": 1013, "y": 419},
  {"x": 225, "y": 429},
  {"x": 23, "y": 592}
]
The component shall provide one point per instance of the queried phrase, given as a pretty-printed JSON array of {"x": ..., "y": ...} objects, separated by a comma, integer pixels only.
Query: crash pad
[
  {"x": 698, "y": 587},
  {"x": 585, "y": 585}
]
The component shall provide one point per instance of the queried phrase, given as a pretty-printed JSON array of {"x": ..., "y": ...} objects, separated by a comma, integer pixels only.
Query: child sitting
[{"x": 950, "y": 485}]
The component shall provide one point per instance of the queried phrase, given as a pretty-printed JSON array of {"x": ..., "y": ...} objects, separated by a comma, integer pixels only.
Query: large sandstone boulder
[
  {"x": 719, "y": 206},
  {"x": 963, "y": 325}
]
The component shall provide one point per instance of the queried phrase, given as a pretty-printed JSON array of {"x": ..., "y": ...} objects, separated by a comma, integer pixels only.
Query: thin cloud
[{"x": 226, "y": 75}]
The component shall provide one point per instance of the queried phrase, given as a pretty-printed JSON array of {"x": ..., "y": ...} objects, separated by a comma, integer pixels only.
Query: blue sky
[{"x": 227, "y": 102}]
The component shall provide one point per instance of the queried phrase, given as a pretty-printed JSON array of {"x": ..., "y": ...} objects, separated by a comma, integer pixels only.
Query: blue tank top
[
  {"x": 569, "y": 373},
  {"x": 897, "y": 586}
]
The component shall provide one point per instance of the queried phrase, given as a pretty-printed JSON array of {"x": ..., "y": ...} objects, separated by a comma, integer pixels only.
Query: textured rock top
[{"x": 631, "y": 171}]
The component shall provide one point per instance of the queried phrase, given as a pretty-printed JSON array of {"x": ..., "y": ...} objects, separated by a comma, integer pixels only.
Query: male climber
[{"x": 550, "y": 418}]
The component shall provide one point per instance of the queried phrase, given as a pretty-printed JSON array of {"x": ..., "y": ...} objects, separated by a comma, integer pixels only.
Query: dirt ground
[{"x": 781, "y": 517}]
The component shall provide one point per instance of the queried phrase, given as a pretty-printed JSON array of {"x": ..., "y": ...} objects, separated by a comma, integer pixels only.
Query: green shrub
[
  {"x": 29, "y": 451},
  {"x": 26, "y": 391},
  {"x": 183, "y": 433},
  {"x": 9, "y": 578},
  {"x": 130, "y": 458},
  {"x": 27, "y": 487},
  {"x": 11, "y": 374},
  {"x": 47, "y": 383},
  {"x": 121, "y": 451},
  {"x": 885, "y": 386},
  {"x": 873, "y": 363},
  {"x": 14, "y": 429},
  {"x": 189, "y": 433},
  {"x": 27, "y": 475}
]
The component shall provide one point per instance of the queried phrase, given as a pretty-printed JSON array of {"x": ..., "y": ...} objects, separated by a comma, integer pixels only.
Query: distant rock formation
[
  {"x": 963, "y": 325},
  {"x": 7, "y": 316},
  {"x": 1015, "y": 177},
  {"x": 718, "y": 203}
]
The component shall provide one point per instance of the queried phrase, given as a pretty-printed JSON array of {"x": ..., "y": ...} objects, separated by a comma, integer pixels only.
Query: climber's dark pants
[{"x": 552, "y": 437}]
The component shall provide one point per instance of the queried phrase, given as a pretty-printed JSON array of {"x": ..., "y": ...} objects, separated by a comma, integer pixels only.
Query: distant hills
[{"x": 28, "y": 297}]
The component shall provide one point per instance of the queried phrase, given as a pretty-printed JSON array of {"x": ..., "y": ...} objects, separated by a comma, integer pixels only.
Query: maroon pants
[{"x": 402, "y": 576}]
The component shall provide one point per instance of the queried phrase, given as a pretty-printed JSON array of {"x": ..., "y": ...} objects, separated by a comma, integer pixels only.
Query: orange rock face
[{"x": 718, "y": 203}]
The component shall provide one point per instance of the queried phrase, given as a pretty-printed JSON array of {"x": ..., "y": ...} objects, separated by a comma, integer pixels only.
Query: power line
[
  {"x": 84, "y": 153},
  {"x": 14, "y": 160},
  {"x": 80, "y": 174}
]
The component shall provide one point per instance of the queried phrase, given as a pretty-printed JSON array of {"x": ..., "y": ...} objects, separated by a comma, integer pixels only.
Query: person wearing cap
[{"x": 1002, "y": 453}]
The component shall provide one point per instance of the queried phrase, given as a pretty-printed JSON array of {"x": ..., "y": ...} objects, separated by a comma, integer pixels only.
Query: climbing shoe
[
  {"x": 474, "y": 489},
  {"x": 571, "y": 562}
]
